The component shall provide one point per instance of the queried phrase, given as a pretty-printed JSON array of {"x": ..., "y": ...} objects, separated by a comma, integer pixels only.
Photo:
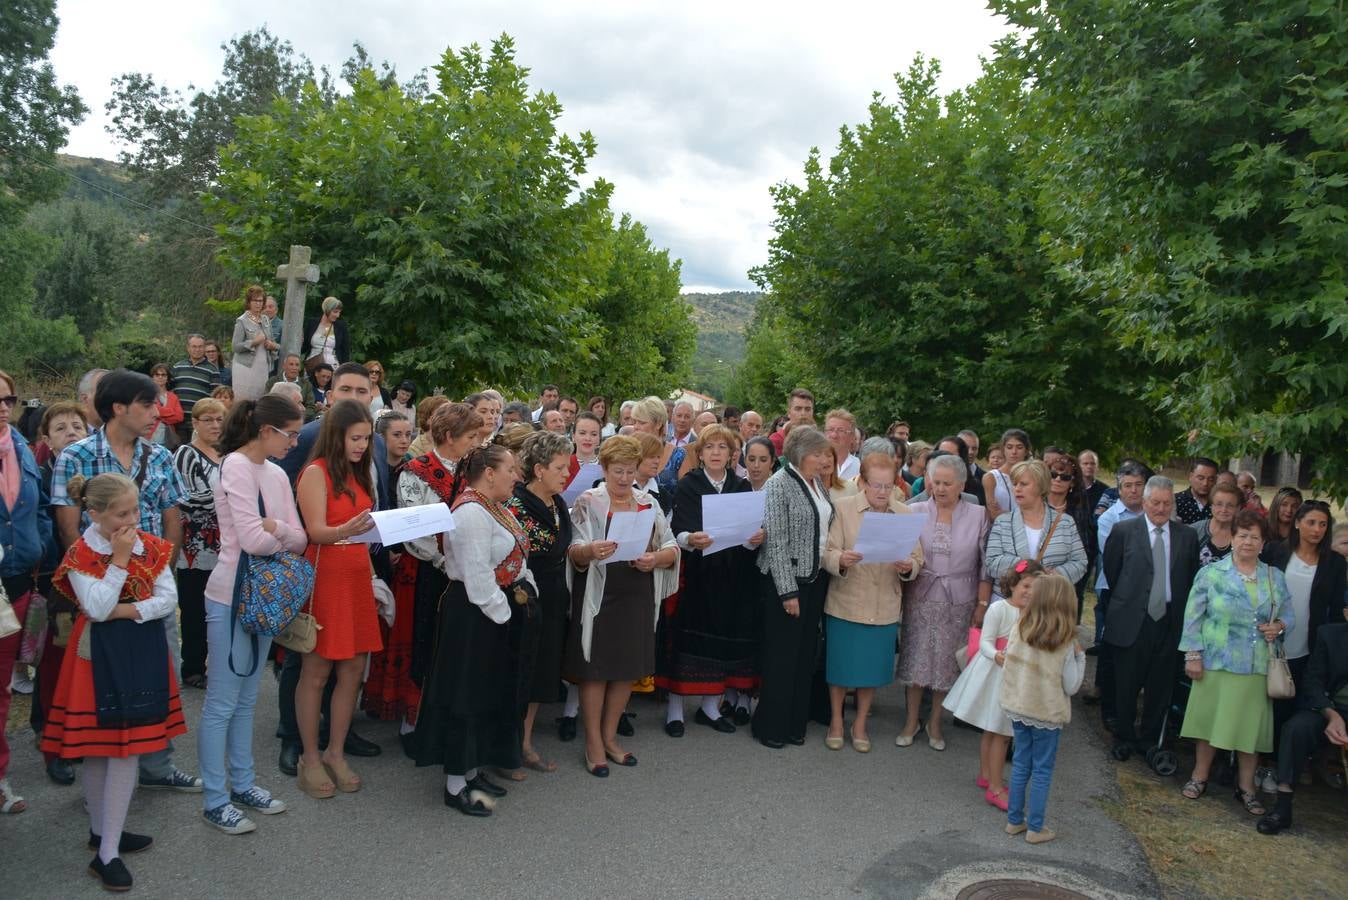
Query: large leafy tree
[
  {"x": 36, "y": 113},
  {"x": 907, "y": 279},
  {"x": 454, "y": 222},
  {"x": 1198, "y": 185}
]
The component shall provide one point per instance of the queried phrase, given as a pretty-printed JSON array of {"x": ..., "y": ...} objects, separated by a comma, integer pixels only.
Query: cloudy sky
[{"x": 698, "y": 107}]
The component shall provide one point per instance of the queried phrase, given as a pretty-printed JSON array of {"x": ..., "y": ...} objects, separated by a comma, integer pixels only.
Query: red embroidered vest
[
  {"x": 508, "y": 570},
  {"x": 141, "y": 570}
]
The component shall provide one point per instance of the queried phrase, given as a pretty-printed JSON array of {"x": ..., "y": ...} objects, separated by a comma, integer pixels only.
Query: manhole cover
[{"x": 1017, "y": 889}]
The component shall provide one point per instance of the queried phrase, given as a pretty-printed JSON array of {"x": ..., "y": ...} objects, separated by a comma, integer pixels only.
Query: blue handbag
[{"x": 269, "y": 592}]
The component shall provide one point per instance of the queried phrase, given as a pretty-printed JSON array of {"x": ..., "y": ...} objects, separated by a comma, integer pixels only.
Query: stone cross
[{"x": 298, "y": 274}]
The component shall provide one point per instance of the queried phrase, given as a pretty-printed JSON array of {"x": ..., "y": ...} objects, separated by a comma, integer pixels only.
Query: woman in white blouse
[{"x": 474, "y": 693}]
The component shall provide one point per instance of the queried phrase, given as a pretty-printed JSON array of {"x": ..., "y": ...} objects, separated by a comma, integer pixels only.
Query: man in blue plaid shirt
[{"x": 126, "y": 402}]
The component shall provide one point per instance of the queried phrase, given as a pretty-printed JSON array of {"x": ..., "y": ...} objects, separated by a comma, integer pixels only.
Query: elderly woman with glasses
[{"x": 861, "y": 614}]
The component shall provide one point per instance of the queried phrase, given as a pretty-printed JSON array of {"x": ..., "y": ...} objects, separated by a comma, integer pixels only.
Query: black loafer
[
  {"x": 355, "y": 745},
  {"x": 288, "y": 761},
  {"x": 1121, "y": 751},
  {"x": 723, "y": 725},
  {"x": 463, "y": 801},
  {"x": 796, "y": 741},
  {"x": 625, "y": 726},
  {"x": 742, "y": 716},
  {"x": 61, "y": 772},
  {"x": 130, "y": 842},
  {"x": 771, "y": 744},
  {"x": 1273, "y": 822},
  {"x": 566, "y": 728},
  {"x": 674, "y": 729},
  {"x": 481, "y": 783},
  {"x": 114, "y": 875}
]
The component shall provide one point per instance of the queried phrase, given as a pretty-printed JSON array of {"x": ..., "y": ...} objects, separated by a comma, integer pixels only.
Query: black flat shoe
[
  {"x": 288, "y": 761},
  {"x": 796, "y": 741},
  {"x": 625, "y": 726},
  {"x": 130, "y": 843},
  {"x": 114, "y": 875},
  {"x": 723, "y": 725},
  {"x": 481, "y": 783},
  {"x": 1273, "y": 823},
  {"x": 355, "y": 745},
  {"x": 566, "y": 728},
  {"x": 771, "y": 744},
  {"x": 406, "y": 741},
  {"x": 674, "y": 729},
  {"x": 61, "y": 772},
  {"x": 742, "y": 716},
  {"x": 1121, "y": 751},
  {"x": 466, "y": 803}
]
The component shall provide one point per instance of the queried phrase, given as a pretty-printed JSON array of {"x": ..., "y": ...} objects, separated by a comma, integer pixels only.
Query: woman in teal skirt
[
  {"x": 1238, "y": 607},
  {"x": 861, "y": 614}
]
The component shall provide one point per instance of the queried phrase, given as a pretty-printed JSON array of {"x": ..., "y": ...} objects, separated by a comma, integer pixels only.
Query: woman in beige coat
[{"x": 861, "y": 614}]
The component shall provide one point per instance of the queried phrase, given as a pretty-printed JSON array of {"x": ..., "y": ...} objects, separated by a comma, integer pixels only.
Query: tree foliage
[
  {"x": 35, "y": 114},
  {"x": 907, "y": 279},
  {"x": 454, "y": 223}
]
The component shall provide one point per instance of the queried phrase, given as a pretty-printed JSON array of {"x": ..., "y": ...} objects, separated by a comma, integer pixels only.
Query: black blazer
[
  {"x": 341, "y": 346},
  {"x": 1327, "y": 589},
  {"x": 1128, "y": 570},
  {"x": 1327, "y": 672}
]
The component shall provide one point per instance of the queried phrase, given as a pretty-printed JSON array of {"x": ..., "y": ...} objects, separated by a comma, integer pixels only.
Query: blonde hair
[
  {"x": 513, "y": 436},
  {"x": 651, "y": 409},
  {"x": 207, "y": 405},
  {"x": 715, "y": 432},
  {"x": 1050, "y": 618},
  {"x": 651, "y": 446},
  {"x": 1033, "y": 469},
  {"x": 620, "y": 448},
  {"x": 98, "y": 493}
]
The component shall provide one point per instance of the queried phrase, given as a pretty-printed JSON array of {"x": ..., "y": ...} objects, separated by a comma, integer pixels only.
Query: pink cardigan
[{"x": 240, "y": 524}]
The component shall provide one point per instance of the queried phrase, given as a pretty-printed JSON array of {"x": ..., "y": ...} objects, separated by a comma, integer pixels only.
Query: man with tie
[{"x": 1149, "y": 564}]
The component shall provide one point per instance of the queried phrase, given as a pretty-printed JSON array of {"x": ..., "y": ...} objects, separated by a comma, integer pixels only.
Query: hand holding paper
[
  {"x": 888, "y": 537},
  {"x": 731, "y": 519},
  {"x": 631, "y": 531},
  {"x": 393, "y": 526}
]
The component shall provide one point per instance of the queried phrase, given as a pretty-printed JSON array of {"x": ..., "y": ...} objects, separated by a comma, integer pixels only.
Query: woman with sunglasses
[
  {"x": 1067, "y": 494},
  {"x": 380, "y": 399}
]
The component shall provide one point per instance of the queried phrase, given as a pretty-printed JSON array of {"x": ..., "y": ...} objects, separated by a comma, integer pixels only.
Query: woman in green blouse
[{"x": 1237, "y": 608}]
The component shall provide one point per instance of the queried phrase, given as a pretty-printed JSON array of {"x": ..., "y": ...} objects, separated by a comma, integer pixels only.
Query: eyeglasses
[
  {"x": 1062, "y": 476},
  {"x": 880, "y": 488},
  {"x": 11, "y": 400},
  {"x": 376, "y": 371},
  {"x": 289, "y": 435}
]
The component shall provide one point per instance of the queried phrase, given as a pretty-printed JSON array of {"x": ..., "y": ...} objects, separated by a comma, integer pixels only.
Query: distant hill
[
  {"x": 721, "y": 322},
  {"x": 89, "y": 175}
]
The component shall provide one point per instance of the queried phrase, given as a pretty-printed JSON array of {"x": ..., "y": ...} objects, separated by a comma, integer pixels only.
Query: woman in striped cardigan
[
  {"x": 1032, "y": 529},
  {"x": 797, "y": 513}
]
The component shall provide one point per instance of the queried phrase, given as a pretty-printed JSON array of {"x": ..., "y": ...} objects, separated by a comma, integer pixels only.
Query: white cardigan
[{"x": 589, "y": 518}]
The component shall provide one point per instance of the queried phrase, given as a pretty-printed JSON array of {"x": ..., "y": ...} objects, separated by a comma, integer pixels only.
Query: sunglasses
[
  {"x": 1062, "y": 476},
  {"x": 11, "y": 400}
]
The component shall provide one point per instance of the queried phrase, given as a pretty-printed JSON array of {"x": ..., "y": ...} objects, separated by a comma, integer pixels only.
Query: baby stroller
[{"x": 1162, "y": 761}]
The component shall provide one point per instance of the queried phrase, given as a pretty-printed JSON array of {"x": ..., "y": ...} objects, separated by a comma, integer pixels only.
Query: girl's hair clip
[{"x": 1022, "y": 566}]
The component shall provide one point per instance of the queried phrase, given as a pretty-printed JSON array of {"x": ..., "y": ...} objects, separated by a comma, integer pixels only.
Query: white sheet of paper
[
  {"x": 632, "y": 532},
  {"x": 888, "y": 537},
  {"x": 393, "y": 526},
  {"x": 731, "y": 519},
  {"x": 589, "y": 473}
]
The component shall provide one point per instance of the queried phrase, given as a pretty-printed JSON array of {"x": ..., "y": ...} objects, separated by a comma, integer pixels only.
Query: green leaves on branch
[{"x": 454, "y": 222}]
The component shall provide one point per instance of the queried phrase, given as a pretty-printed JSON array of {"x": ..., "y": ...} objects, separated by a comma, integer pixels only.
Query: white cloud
[{"x": 698, "y": 107}]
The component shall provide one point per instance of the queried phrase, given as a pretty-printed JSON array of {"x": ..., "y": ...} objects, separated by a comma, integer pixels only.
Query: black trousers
[
  {"x": 287, "y": 726},
  {"x": 1302, "y": 735},
  {"x": 192, "y": 604},
  {"x": 1150, "y": 667},
  {"x": 1104, "y": 660},
  {"x": 1284, "y": 710},
  {"x": 789, "y": 652}
]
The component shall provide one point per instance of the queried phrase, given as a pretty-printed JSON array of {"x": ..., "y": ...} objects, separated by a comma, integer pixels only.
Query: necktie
[{"x": 1160, "y": 567}]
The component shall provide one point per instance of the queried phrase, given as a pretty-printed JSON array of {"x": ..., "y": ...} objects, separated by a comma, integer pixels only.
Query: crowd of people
[{"x": 138, "y": 518}]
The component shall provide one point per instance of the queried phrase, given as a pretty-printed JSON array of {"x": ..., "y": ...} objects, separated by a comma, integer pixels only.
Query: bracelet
[
  {"x": 1193, "y": 656},
  {"x": 982, "y": 603}
]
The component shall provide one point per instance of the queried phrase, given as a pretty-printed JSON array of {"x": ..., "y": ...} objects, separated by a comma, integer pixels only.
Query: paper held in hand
[
  {"x": 631, "y": 531},
  {"x": 585, "y": 478},
  {"x": 393, "y": 526},
  {"x": 888, "y": 537},
  {"x": 731, "y": 519}
]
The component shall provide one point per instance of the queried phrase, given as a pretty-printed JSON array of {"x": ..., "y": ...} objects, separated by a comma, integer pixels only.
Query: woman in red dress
[
  {"x": 116, "y": 697},
  {"x": 335, "y": 494}
]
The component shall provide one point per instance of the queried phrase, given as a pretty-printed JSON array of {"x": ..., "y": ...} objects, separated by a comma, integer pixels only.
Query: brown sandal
[
  {"x": 347, "y": 781},
  {"x": 539, "y": 764},
  {"x": 314, "y": 782}
]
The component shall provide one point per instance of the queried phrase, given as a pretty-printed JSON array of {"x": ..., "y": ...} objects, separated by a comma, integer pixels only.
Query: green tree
[
  {"x": 92, "y": 275},
  {"x": 452, "y": 221},
  {"x": 1198, "y": 189},
  {"x": 37, "y": 115},
  {"x": 907, "y": 279}
]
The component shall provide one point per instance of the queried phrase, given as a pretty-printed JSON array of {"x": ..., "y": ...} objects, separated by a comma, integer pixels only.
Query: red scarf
[{"x": 142, "y": 571}]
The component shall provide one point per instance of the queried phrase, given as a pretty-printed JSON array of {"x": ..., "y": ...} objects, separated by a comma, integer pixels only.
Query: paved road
[{"x": 707, "y": 815}]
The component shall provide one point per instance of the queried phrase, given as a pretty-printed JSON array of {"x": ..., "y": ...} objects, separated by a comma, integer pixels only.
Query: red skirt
[
  {"x": 72, "y": 730},
  {"x": 390, "y": 694}
]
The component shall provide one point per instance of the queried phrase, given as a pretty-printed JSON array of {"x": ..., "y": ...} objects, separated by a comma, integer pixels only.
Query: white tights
[{"x": 109, "y": 783}]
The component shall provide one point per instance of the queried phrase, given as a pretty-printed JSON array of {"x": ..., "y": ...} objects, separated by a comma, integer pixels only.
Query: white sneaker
[
  {"x": 1266, "y": 780},
  {"x": 20, "y": 683}
]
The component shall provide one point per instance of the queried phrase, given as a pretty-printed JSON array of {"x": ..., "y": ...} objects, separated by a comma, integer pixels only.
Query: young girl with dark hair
[{"x": 336, "y": 496}]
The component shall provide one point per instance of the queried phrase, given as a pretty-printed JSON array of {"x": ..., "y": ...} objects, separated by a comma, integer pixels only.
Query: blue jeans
[
  {"x": 226, "y": 729},
  {"x": 1032, "y": 765},
  {"x": 159, "y": 764}
]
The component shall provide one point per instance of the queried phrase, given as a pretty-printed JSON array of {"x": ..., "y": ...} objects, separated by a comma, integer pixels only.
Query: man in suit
[
  {"x": 974, "y": 444},
  {"x": 1149, "y": 565},
  {"x": 1323, "y": 698}
]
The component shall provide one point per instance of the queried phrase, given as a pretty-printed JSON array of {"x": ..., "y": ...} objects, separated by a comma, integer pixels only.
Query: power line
[{"x": 106, "y": 190}]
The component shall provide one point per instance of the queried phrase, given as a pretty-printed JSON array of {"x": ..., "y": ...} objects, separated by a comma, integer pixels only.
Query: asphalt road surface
[{"x": 707, "y": 815}]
